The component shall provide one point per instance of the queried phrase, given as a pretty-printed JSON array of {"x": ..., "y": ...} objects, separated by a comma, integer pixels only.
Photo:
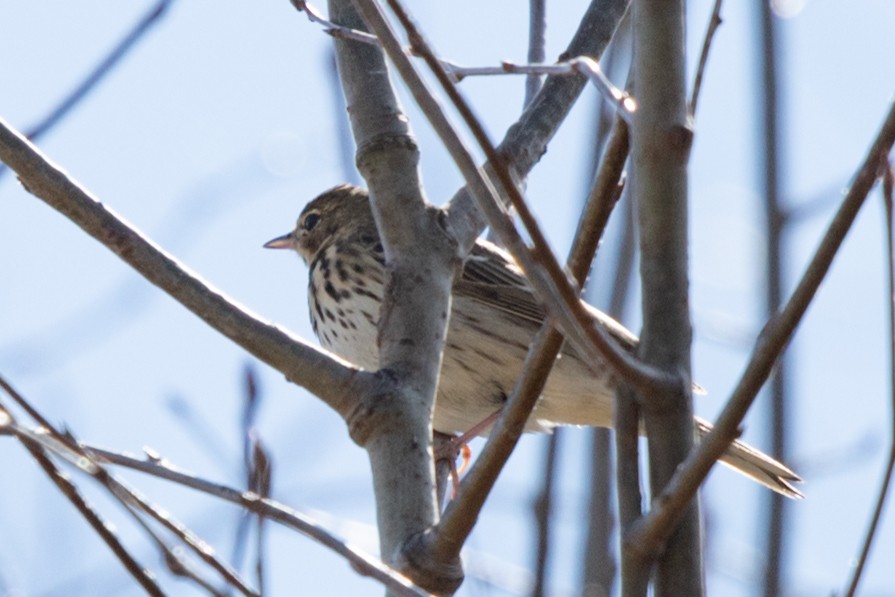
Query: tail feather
[{"x": 757, "y": 465}]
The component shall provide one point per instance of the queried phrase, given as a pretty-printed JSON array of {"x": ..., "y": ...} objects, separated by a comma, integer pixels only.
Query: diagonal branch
[
  {"x": 42, "y": 440},
  {"x": 886, "y": 482},
  {"x": 133, "y": 502},
  {"x": 656, "y": 526},
  {"x": 145, "y": 578},
  {"x": 337, "y": 383},
  {"x": 461, "y": 514},
  {"x": 105, "y": 66}
]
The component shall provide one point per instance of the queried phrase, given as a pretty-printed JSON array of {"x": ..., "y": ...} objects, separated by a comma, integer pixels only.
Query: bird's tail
[{"x": 757, "y": 465}]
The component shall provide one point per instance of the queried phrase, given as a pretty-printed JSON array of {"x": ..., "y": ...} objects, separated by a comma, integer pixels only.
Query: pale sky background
[{"x": 220, "y": 126}]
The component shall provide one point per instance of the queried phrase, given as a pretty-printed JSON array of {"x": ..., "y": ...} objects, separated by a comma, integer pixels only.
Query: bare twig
[
  {"x": 772, "y": 341},
  {"x": 537, "y": 42},
  {"x": 770, "y": 177},
  {"x": 129, "y": 498},
  {"x": 161, "y": 468},
  {"x": 714, "y": 23},
  {"x": 144, "y": 577},
  {"x": 334, "y": 29},
  {"x": 257, "y": 468},
  {"x": 886, "y": 482},
  {"x": 542, "y": 508},
  {"x": 620, "y": 100},
  {"x": 599, "y": 563}
]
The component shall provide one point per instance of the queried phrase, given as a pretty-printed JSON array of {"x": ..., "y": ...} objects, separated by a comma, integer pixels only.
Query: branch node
[
  {"x": 438, "y": 573},
  {"x": 369, "y": 151},
  {"x": 378, "y": 408}
]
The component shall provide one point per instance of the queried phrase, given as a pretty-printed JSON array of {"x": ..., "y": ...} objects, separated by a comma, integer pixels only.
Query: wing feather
[{"x": 491, "y": 276}]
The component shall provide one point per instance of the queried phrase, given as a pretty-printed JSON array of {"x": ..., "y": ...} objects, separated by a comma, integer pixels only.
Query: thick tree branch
[
  {"x": 421, "y": 258},
  {"x": 337, "y": 383}
]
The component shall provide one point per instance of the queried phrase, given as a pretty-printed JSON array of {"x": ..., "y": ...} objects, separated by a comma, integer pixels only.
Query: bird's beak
[{"x": 280, "y": 242}]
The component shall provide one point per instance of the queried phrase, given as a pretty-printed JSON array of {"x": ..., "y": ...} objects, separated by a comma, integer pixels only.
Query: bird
[{"x": 494, "y": 316}]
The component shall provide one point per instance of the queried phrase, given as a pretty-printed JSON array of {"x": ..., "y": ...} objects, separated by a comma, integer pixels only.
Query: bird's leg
[{"x": 459, "y": 446}]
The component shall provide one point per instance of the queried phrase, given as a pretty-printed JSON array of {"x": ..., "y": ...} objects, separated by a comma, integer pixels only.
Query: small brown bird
[{"x": 494, "y": 317}]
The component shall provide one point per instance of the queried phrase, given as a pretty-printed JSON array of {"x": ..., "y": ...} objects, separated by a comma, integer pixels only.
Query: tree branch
[
  {"x": 461, "y": 514},
  {"x": 336, "y": 382},
  {"x": 265, "y": 507},
  {"x": 421, "y": 257},
  {"x": 886, "y": 482},
  {"x": 105, "y": 66},
  {"x": 768, "y": 347},
  {"x": 661, "y": 137}
]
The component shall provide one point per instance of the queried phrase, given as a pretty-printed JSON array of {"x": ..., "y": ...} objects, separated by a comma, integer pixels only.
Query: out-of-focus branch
[
  {"x": 537, "y": 53},
  {"x": 105, "y": 66},
  {"x": 337, "y": 383},
  {"x": 130, "y": 499},
  {"x": 145, "y": 578},
  {"x": 768, "y": 347},
  {"x": 886, "y": 482},
  {"x": 769, "y": 175},
  {"x": 537, "y": 45}
]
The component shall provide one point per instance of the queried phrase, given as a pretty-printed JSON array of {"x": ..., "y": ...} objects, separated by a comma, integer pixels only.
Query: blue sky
[{"x": 221, "y": 125}]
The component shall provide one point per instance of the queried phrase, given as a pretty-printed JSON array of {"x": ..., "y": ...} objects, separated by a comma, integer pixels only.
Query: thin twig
[
  {"x": 621, "y": 101},
  {"x": 773, "y": 340},
  {"x": 542, "y": 509},
  {"x": 886, "y": 482},
  {"x": 129, "y": 498},
  {"x": 257, "y": 469},
  {"x": 714, "y": 22},
  {"x": 533, "y": 71},
  {"x": 144, "y": 577},
  {"x": 537, "y": 43},
  {"x": 333, "y": 29},
  {"x": 770, "y": 179},
  {"x": 161, "y": 468}
]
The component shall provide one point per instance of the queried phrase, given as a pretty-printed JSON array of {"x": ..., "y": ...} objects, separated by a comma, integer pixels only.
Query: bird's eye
[{"x": 310, "y": 221}]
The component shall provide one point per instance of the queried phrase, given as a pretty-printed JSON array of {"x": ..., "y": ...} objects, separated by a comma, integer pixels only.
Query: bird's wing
[{"x": 490, "y": 276}]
